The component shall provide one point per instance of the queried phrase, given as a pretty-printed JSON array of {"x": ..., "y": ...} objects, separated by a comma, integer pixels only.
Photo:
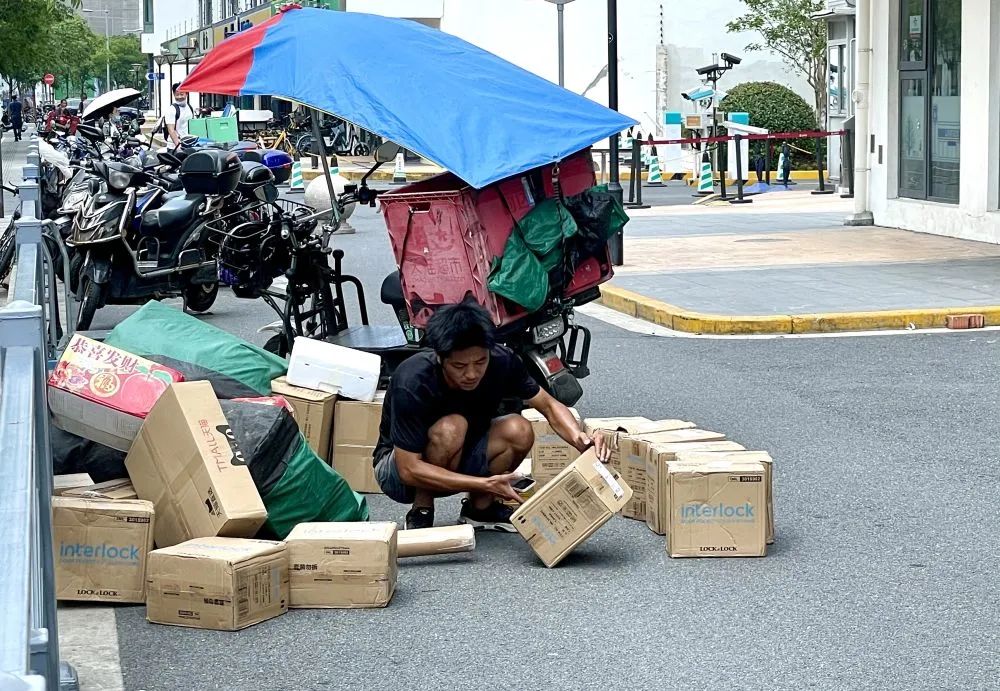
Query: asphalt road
[{"x": 883, "y": 575}]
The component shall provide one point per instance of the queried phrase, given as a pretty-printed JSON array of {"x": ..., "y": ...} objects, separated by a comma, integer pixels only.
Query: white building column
[{"x": 980, "y": 144}]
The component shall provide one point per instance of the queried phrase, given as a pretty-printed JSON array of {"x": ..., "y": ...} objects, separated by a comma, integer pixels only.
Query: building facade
[
  {"x": 123, "y": 16},
  {"x": 930, "y": 160}
]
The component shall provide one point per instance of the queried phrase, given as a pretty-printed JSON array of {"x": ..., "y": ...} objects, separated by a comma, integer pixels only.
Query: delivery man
[{"x": 439, "y": 434}]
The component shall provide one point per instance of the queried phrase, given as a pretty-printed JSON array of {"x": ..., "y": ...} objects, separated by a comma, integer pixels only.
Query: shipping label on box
[
  {"x": 356, "y": 423},
  {"x": 100, "y": 548},
  {"x": 762, "y": 457},
  {"x": 313, "y": 411},
  {"x": 659, "y": 455},
  {"x": 570, "y": 508},
  {"x": 717, "y": 509},
  {"x": 102, "y": 393},
  {"x": 356, "y": 465},
  {"x": 186, "y": 461},
  {"x": 342, "y": 564},
  {"x": 549, "y": 453},
  {"x": 111, "y": 489},
  {"x": 64, "y": 483},
  {"x": 217, "y": 583}
]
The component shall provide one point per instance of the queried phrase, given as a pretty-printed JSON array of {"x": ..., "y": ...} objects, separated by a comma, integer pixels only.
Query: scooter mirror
[
  {"x": 267, "y": 193},
  {"x": 387, "y": 152}
]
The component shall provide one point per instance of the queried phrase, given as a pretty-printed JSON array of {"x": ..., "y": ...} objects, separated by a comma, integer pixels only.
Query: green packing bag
[
  {"x": 545, "y": 227},
  {"x": 519, "y": 276},
  {"x": 198, "y": 350}
]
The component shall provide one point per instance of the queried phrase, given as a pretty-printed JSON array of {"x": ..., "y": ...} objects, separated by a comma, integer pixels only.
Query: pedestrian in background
[{"x": 15, "y": 110}]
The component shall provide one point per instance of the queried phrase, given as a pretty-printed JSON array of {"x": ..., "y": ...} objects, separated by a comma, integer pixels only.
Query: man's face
[
  {"x": 464, "y": 369},
  {"x": 180, "y": 97}
]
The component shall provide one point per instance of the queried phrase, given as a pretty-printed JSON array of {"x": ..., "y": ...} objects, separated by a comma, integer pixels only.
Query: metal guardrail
[{"x": 29, "y": 639}]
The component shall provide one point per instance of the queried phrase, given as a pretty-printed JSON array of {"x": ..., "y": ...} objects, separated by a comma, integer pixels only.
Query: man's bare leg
[
  {"x": 446, "y": 439},
  {"x": 509, "y": 442}
]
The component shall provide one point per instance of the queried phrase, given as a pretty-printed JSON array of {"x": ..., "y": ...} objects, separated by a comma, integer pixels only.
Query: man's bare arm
[
  {"x": 565, "y": 425},
  {"x": 416, "y": 472}
]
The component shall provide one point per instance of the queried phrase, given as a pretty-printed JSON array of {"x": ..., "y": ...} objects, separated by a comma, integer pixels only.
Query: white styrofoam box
[{"x": 332, "y": 368}]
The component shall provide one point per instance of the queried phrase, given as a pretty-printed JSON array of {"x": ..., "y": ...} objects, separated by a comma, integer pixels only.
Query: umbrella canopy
[
  {"x": 462, "y": 107},
  {"x": 105, "y": 103}
]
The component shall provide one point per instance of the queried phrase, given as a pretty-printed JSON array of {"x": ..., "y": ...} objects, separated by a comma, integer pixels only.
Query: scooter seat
[
  {"x": 371, "y": 339},
  {"x": 392, "y": 290},
  {"x": 175, "y": 214}
]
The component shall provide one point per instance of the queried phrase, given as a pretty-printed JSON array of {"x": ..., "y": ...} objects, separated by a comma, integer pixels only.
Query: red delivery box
[
  {"x": 102, "y": 393},
  {"x": 445, "y": 236}
]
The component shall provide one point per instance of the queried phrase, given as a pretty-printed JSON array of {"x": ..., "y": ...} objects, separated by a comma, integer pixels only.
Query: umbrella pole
[{"x": 321, "y": 145}]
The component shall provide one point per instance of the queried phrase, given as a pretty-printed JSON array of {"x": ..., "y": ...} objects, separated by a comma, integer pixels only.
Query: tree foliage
[
  {"x": 778, "y": 109},
  {"x": 788, "y": 29},
  {"x": 125, "y": 52}
]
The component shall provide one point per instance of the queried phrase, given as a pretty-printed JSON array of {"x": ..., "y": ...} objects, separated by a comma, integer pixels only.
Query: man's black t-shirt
[{"x": 418, "y": 397}]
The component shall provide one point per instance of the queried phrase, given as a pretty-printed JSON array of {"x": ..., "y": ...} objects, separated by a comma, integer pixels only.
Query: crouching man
[{"x": 439, "y": 435}]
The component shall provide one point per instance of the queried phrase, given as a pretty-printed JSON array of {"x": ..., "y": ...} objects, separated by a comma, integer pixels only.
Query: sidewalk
[{"x": 787, "y": 264}]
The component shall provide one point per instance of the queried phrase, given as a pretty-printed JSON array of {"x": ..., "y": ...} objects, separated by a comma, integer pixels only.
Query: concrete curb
[{"x": 680, "y": 319}]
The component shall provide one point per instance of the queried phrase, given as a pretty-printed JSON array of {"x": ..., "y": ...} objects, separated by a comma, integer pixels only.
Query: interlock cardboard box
[
  {"x": 614, "y": 428},
  {"x": 63, "y": 483},
  {"x": 659, "y": 455},
  {"x": 717, "y": 509},
  {"x": 549, "y": 453},
  {"x": 217, "y": 583},
  {"x": 313, "y": 413},
  {"x": 100, "y": 548},
  {"x": 355, "y": 435},
  {"x": 569, "y": 509},
  {"x": 632, "y": 452},
  {"x": 111, "y": 489},
  {"x": 342, "y": 564},
  {"x": 762, "y": 457},
  {"x": 186, "y": 462}
]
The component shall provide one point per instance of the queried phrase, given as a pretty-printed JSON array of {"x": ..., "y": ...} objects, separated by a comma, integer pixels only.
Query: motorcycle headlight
[{"x": 548, "y": 331}]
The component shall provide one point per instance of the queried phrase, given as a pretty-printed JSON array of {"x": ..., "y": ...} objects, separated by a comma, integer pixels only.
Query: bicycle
[{"x": 8, "y": 238}]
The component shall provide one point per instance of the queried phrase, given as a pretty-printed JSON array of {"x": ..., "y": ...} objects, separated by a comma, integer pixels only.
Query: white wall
[{"x": 975, "y": 217}]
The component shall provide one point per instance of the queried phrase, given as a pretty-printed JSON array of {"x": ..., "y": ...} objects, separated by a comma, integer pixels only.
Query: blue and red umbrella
[{"x": 471, "y": 112}]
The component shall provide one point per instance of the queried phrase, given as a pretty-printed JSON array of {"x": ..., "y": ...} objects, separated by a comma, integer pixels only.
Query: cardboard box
[
  {"x": 614, "y": 428},
  {"x": 549, "y": 453},
  {"x": 100, "y": 548},
  {"x": 342, "y": 564},
  {"x": 355, "y": 435},
  {"x": 217, "y": 583},
  {"x": 659, "y": 455},
  {"x": 568, "y": 510},
  {"x": 114, "y": 490},
  {"x": 632, "y": 452},
  {"x": 186, "y": 462},
  {"x": 63, "y": 483},
  {"x": 717, "y": 509},
  {"x": 101, "y": 393},
  {"x": 443, "y": 539},
  {"x": 762, "y": 457},
  {"x": 313, "y": 411},
  {"x": 332, "y": 368}
]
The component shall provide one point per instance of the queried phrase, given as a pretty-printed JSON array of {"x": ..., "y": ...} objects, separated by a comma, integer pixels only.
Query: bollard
[
  {"x": 767, "y": 162},
  {"x": 819, "y": 169},
  {"x": 631, "y": 179},
  {"x": 739, "y": 174},
  {"x": 847, "y": 162},
  {"x": 723, "y": 159},
  {"x": 785, "y": 163},
  {"x": 635, "y": 184}
]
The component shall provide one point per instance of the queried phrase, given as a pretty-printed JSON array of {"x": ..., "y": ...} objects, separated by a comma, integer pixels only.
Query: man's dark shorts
[{"x": 474, "y": 462}]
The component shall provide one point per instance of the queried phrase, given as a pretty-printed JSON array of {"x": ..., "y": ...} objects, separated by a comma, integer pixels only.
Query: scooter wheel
[
  {"x": 90, "y": 302},
  {"x": 200, "y": 297},
  {"x": 278, "y": 345}
]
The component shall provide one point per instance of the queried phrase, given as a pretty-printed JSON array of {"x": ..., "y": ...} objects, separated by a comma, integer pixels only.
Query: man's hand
[
  {"x": 585, "y": 441},
  {"x": 499, "y": 486}
]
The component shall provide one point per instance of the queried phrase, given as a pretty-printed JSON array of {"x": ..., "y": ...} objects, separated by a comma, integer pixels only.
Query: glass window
[
  {"x": 911, "y": 33},
  {"x": 912, "y": 133},
  {"x": 946, "y": 71},
  {"x": 835, "y": 75}
]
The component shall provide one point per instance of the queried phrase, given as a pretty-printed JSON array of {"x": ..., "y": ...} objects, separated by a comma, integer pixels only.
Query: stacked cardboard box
[
  {"x": 111, "y": 489},
  {"x": 64, "y": 483},
  {"x": 313, "y": 411},
  {"x": 355, "y": 435},
  {"x": 549, "y": 453}
]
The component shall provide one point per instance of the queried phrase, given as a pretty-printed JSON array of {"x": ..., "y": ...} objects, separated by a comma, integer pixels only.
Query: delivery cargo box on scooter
[
  {"x": 445, "y": 236},
  {"x": 211, "y": 171}
]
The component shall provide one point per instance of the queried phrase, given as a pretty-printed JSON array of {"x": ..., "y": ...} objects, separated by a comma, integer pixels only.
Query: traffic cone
[
  {"x": 399, "y": 175},
  {"x": 705, "y": 183},
  {"x": 295, "y": 182},
  {"x": 655, "y": 176}
]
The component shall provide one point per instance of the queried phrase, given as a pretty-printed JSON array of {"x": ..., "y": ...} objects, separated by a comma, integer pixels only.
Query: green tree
[
  {"x": 23, "y": 28},
  {"x": 777, "y": 109},
  {"x": 788, "y": 29},
  {"x": 73, "y": 50},
  {"x": 125, "y": 52}
]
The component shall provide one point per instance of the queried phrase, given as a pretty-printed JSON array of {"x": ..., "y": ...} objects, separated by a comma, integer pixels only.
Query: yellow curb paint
[{"x": 687, "y": 321}]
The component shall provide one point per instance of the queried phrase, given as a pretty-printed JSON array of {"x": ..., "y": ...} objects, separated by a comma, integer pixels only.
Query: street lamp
[
  {"x": 617, "y": 243},
  {"x": 170, "y": 58},
  {"x": 562, "y": 64},
  {"x": 188, "y": 51},
  {"x": 137, "y": 67},
  {"x": 107, "y": 45},
  {"x": 159, "y": 60}
]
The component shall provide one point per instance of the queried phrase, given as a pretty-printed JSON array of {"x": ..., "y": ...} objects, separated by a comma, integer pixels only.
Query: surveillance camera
[
  {"x": 707, "y": 69},
  {"x": 699, "y": 93},
  {"x": 731, "y": 59}
]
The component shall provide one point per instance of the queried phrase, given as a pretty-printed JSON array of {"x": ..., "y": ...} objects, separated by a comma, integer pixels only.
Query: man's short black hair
[
  {"x": 174, "y": 87},
  {"x": 457, "y": 327}
]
